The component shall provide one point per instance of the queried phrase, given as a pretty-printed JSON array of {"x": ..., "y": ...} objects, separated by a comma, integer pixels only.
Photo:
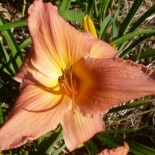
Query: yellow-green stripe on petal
[{"x": 88, "y": 25}]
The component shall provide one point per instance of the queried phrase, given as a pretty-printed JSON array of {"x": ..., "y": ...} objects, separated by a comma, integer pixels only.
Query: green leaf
[
  {"x": 44, "y": 138},
  {"x": 57, "y": 139},
  {"x": 71, "y": 15},
  {"x": 19, "y": 23},
  {"x": 140, "y": 149},
  {"x": 146, "y": 54},
  {"x": 115, "y": 24},
  {"x": 104, "y": 9},
  {"x": 115, "y": 132},
  {"x": 1, "y": 115},
  {"x": 16, "y": 57},
  {"x": 129, "y": 17},
  {"x": 65, "y": 4},
  {"x": 47, "y": 142},
  {"x": 135, "y": 44},
  {"x": 59, "y": 150},
  {"x": 131, "y": 35},
  {"x": 91, "y": 148},
  {"x": 27, "y": 42},
  {"x": 104, "y": 25},
  {"x": 6, "y": 66},
  {"x": 130, "y": 105},
  {"x": 91, "y": 3},
  {"x": 115, "y": 28},
  {"x": 148, "y": 13},
  {"x": 96, "y": 9},
  {"x": 108, "y": 140}
]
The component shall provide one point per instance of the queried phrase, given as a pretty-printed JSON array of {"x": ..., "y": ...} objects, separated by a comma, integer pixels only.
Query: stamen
[
  {"x": 66, "y": 90},
  {"x": 73, "y": 102},
  {"x": 71, "y": 79},
  {"x": 68, "y": 83}
]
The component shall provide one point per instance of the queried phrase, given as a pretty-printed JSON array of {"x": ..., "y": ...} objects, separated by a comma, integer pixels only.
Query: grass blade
[
  {"x": 104, "y": 9},
  {"x": 27, "y": 42},
  {"x": 104, "y": 25},
  {"x": 125, "y": 25},
  {"x": 115, "y": 24},
  {"x": 146, "y": 54},
  {"x": 114, "y": 132},
  {"x": 91, "y": 148},
  {"x": 19, "y": 23},
  {"x": 96, "y": 9},
  {"x": 108, "y": 140},
  {"x": 135, "y": 44},
  {"x": 115, "y": 29},
  {"x": 131, "y": 35},
  {"x": 16, "y": 57},
  {"x": 47, "y": 142},
  {"x": 130, "y": 105},
  {"x": 1, "y": 115},
  {"x": 59, "y": 150},
  {"x": 7, "y": 65},
  {"x": 65, "y": 4},
  {"x": 143, "y": 18},
  {"x": 71, "y": 15},
  {"x": 5, "y": 68},
  {"x": 90, "y": 7},
  {"x": 57, "y": 139},
  {"x": 140, "y": 148}
]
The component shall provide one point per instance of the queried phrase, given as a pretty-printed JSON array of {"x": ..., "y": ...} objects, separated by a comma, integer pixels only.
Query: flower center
[{"x": 68, "y": 82}]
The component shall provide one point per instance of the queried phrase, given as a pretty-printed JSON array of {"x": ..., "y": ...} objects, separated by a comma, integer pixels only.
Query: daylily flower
[
  {"x": 121, "y": 150},
  {"x": 70, "y": 78}
]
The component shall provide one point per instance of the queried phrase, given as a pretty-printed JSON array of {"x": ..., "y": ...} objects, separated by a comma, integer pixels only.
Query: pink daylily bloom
[
  {"x": 70, "y": 78},
  {"x": 121, "y": 150}
]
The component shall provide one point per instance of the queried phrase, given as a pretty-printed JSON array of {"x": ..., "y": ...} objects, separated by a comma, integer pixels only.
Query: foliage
[{"x": 126, "y": 35}]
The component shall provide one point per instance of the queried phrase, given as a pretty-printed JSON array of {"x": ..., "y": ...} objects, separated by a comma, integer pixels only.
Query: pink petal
[
  {"x": 56, "y": 43},
  {"x": 35, "y": 113},
  {"x": 104, "y": 83},
  {"x": 26, "y": 66},
  {"x": 28, "y": 71},
  {"x": 41, "y": 80},
  {"x": 101, "y": 49},
  {"x": 77, "y": 129},
  {"x": 121, "y": 150}
]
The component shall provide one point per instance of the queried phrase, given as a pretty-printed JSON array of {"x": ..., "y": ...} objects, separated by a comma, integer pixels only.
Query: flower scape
[{"x": 69, "y": 78}]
